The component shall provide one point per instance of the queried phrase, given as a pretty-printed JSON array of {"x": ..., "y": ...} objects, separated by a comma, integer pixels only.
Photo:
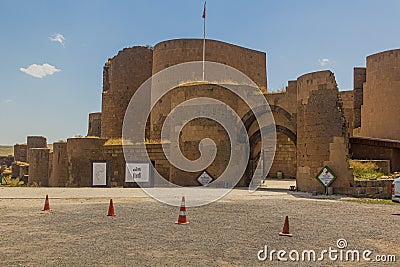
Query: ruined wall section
[
  {"x": 39, "y": 166},
  {"x": 59, "y": 172},
  {"x": 94, "y": 128},
  {"x": 322, "y": 135},
  {"x": 122, "y": 76},
  {"x": 285, "y": 153},
  {"x": 81, "y": 152},
  {"x": 19, "y": 169},
  {"x": 360, "y": 75},
  {"x": 20, "y": 152},
  {"x": 35, "y": 142},
  {"x": 381, "y": 92},
  {"x": 347, "y": 97}
]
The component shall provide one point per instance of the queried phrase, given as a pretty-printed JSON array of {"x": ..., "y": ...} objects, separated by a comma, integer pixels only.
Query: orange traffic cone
[
  {"x": 182, "y": 213},
  {"x": 46, "y": 204},
  {"x": 285, "y": 231},
  {"x": 111, "y": 211}
]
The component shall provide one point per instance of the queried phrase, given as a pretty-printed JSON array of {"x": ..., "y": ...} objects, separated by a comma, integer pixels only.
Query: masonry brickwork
[
  {"x": 20, "y": 152},
  {"x": 122, "y": 76},
  {"x": 59, "y": 170},
  {"x": 94, "y": 128},
  {"x": 35, "y": 142},
  {"x": 322, "y": 134},
  {"x": 381, "y": 96},
  {"x": 39, "y": 164}
]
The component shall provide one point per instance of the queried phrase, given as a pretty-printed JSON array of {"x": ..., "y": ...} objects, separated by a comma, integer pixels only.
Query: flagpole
[{"x": 204, "y": 40}]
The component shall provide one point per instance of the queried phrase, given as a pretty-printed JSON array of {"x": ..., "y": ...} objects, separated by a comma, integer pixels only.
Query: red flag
[{"x": 204, "y": 11}]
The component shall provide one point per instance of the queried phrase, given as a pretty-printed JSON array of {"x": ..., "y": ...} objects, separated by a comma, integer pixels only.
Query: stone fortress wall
[
  {"x": 122, "y": 76},
  {"x": 381, "y": 93},
  {"x": 94, "y": 128},
  {"x": 316, "y": 124}
]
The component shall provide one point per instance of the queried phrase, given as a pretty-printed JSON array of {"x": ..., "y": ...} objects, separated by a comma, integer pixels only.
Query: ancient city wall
[
  {"x": 94, "y": 128},
  {"x": 114, "y": 155},
  {"x": 381, "y": 92},
  {"x": 358, "y": 85},
  {"x": 285, "y": 158},
  {"x": 20, "y": 152},
  {"x": 198, "y": 129},
  {"x": 122, "y": 76},
  {"x": 347, "y": 97},
  {"x": 6, "y": 160},
  {"x": 39, "y": 166},
  {"x": 321, "y": 133},
  {"x": 59, "y": 173},
  {"x": 19, "y": 169},
  {"x": 284, "y": 109},
  {"x": 35, "y": 142},
  {"x": 81, "y": 152},
  {"x": 250, "y": 62}
]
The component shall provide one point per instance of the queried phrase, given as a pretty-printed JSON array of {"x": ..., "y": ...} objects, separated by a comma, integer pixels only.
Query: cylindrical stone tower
[
  {"x": 59, "y": 175},
  {"x": 39, "y": 166},
  {"x": 380, "y": 110},
  {"x": 122, "y": 76}
]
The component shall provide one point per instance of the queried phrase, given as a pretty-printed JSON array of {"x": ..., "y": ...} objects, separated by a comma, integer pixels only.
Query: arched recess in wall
[
  {"x": 285, "y": 160},
  {"x": 285, "y": 153},
  {"x": 250, "y": 117}
]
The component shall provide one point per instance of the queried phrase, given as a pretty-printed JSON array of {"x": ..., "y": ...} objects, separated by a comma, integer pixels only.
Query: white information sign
[
  {"x": 326, "y": 176},
  {"x": 204, "y": 178},
  {"x": 99, "y": 173},
  {"x": 137, "y": 173}
]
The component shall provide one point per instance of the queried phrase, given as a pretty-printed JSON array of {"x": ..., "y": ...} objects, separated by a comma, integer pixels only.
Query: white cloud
[
  {"x": 8, "y": 101},
  {"x": 58, "y": 37},
  {"x": 40, "y": 71},
  {"x": 324, "y": 61}
]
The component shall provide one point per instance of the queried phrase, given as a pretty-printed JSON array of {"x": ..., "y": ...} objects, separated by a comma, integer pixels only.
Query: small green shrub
[
  {"x": 365, "y": 170},
  {"x": 11, "y": 182}
]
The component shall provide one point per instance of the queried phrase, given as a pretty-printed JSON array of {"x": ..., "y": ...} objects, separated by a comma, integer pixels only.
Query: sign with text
[
  {"x": 326, "y": 176},
  {"x": 204, "y": 178},
  {"x": 137, "y": 173}
]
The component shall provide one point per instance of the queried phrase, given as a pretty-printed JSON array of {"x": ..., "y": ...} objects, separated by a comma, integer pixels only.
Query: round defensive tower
[
  {"x": 380, "y": 109},
  {"x": 250, "y": 62},
  {"x": 122, "y": 76},
  {"x": 59, "y": 174},
  {"x": 39, "y": 166},
  {"x": 381, "y": 96}
]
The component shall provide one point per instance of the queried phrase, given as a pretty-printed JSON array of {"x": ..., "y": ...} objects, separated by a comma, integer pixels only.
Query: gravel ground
[{"x": 229, "y": 232}]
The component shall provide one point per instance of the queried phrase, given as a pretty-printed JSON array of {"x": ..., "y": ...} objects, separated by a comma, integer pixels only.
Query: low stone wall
[
  {"x": 6, "y": 160},
  {"x": 19, "y": 169},
  {"x": 373, "y": 188},
  {"x": 20, "y": 152}
]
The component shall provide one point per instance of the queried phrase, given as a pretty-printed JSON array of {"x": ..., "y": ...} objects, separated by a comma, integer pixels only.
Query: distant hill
[{"x": 6, "y": 150}]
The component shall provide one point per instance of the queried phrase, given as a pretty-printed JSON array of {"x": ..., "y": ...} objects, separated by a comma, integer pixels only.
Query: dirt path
[{"x": 229, "y": 232}]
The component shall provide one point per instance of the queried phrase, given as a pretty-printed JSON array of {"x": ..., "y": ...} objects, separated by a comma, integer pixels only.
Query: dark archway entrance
[{"x": 286, "y": 140}]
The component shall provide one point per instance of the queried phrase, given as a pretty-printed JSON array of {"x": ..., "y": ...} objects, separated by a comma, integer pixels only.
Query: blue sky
[{"x": 298, "y": 37}]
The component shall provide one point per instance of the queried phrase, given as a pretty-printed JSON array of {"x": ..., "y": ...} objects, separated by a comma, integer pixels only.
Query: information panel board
[
  {"x": 99, "y": 174},
  {"x": 137, "y": 173}
]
